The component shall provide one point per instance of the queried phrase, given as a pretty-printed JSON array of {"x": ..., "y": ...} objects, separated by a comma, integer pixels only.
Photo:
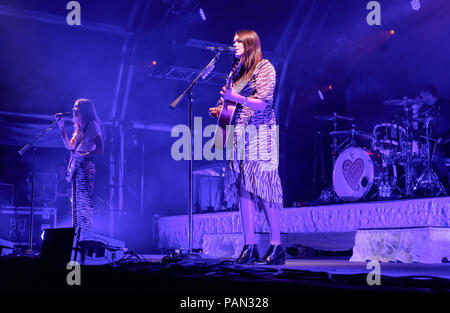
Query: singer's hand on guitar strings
[
  {"x": 215, "y": 111},
  {"x": 229, "y": 94}
]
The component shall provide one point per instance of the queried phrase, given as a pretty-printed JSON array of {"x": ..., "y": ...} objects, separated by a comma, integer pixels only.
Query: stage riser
[
  {"x": 342, "y": 218},
  {"x": 230, "y": 245},
  {"x": 6, "y": 247},
  {"x": 407, "y": 245}
]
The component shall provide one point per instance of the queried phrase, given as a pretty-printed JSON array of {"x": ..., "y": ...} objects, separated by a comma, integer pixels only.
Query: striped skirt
[
  {"x": 256, "y": 174},
  {"x": 83, "y": 193}
]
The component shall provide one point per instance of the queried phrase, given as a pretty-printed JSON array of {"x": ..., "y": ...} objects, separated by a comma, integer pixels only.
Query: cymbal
[
  {"x": 424, "y": 119},
  {"x": 333, "y": 116},
  {"x": 429, "y": 138},
  {"x": 348, "y": 133},
  {"x": 402, "y": 102}
]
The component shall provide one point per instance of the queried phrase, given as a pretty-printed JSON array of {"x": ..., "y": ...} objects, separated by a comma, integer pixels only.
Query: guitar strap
[
  {"x": 238, "y": 88},
  {"x": 243, "y": 83}
]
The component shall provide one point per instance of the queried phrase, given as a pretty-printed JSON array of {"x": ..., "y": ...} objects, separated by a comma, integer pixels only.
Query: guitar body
[
  {"x": 70, "y": 167},
  {"x": 222, "y": 135}
]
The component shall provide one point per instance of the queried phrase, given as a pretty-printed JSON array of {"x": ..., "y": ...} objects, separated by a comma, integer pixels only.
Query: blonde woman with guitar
[
  {"x": 252, "y": 182},
  {"x": 85, "y": 143}
]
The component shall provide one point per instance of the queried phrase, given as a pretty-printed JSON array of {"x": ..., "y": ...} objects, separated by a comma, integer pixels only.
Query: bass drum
[{"x": 357, "y": 172}]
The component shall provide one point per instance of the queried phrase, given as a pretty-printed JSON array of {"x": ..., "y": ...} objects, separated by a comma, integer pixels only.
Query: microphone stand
[
  {"x": 33, "y": 170},
  {"x": 205, "y": 71}
]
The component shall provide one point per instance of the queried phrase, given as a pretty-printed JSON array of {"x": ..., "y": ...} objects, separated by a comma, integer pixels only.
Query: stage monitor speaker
[
  {"x": 62, "y": 245},
  {"x": 6, "y": 247}
]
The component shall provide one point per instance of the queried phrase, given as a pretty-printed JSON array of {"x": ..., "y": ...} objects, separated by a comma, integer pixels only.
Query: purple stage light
[
  {"x": 320, "y": 94},
  {"x": 202, "y": 14},
  {"x": 415, "y": 5}
]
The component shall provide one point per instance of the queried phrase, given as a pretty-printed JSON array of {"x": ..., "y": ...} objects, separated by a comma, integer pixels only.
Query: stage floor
[
  {"x": 331, "y": 281},
  {"x": 343, "y": 266}
]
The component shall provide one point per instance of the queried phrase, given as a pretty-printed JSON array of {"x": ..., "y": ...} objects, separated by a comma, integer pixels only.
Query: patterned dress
[
  {"x": 84, "y": 179},
  {"x": 83, "y": 193},
  {"x": 255, "y": 151}
]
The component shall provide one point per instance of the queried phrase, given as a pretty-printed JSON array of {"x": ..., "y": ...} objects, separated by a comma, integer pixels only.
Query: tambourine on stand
[{"x": 393, "y": 166}]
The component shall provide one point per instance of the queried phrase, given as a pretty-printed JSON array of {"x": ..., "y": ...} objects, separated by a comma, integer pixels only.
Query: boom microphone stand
[
  {"x": 21, "y": 152},
  {"x": 203, "y": 73}
]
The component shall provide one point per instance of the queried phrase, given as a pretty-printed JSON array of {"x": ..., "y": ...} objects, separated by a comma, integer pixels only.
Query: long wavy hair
[
  {"x": 252, "y": 53},
  {"x": 83, "y": 114}
]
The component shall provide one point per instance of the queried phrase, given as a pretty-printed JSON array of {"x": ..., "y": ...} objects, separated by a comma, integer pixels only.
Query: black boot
[
  {"x": 274, "y": 256},
  {"x": 249, "y": 254}
]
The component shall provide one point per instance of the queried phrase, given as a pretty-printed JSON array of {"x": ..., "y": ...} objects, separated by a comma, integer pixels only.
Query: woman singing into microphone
[
  {"x": 252, "y": 181},
  {"x": 86, "y": 142}
]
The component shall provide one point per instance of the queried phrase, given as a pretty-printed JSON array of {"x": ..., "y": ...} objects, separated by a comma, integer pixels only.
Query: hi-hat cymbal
[
  {"x": 348, "y": 133},
  {"x": 333, "y": 116},
  {"x": 402, "y": 102}
]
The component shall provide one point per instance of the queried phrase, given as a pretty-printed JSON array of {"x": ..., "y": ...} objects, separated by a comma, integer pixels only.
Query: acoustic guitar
[
  {"x": 72, "y": 161},
  {"x": 223, "y": 133}
]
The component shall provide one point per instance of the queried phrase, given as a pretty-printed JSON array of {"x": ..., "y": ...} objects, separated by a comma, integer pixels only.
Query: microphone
[
  {"x": 221, "y": 49},
  {"x": 62, "y": 114}
]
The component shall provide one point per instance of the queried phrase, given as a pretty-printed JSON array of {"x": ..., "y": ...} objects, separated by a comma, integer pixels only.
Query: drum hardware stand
[
  {"x": 334, "y": 145},
  {"x": 318, "y": 149},
  {"x": 408, "y": 143},
  {"x": 352, "y": 141},
  {"x": 427, "y": 148},
  {"x": 339, "y": 148},
  {"x": 386, "y": 187},
  {"x": 441, "y": 186},
  {"x": 328, "y": 195},
  {"x": 431, "y": 182}
]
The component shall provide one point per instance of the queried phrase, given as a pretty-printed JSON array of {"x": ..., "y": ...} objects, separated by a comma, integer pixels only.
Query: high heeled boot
[
  {"x": 249, "y": 254},
  {"x": 275, "y": 255}
]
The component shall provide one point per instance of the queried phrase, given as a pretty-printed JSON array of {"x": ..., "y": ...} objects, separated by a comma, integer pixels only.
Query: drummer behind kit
[{"x": 395, "y": 164}]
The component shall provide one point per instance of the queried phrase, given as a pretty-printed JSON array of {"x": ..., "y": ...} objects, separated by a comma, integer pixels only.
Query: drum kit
[{"x": 388, "y": 163}]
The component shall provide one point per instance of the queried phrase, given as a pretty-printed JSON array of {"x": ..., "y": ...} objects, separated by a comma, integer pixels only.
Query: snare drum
[
  {"x": 357, "y": 172},
  {"x": 388, "y": 138}
]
